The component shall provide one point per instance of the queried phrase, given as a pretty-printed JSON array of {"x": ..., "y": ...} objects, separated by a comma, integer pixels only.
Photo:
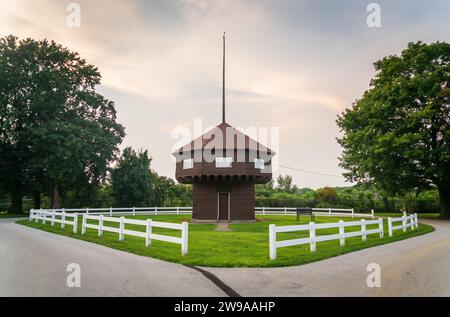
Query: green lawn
[
  {"x": 419, "y": 215},
  {"x": 246, "y": 245}
]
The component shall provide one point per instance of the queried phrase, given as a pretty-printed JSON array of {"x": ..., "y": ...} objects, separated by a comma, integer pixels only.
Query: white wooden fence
[
  {"x": 134, "y": 211},
  {"x": 410, "y": 221},
  {"x": 314, "y": 238},
  {"x": 148, "y": 224},
  {"x": 131, "y": 211},
  {"x": 317, "y": 211},
  {"x": 55, "y": 217}
]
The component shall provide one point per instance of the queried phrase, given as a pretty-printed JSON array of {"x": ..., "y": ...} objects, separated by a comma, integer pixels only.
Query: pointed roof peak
[{"x": 224, "y": 131}]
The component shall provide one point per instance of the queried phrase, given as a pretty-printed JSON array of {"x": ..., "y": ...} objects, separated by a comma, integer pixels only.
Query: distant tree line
[{"x": 283, "y": 193}]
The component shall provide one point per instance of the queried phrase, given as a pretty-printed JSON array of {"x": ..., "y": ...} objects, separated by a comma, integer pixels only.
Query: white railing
[
  {"x": 55, "y": 217},
  {"x": 410, "y": 221},
  {"x": 314, "y": 238},
  {"x": 136, "y": 211},
  {"x": 148, "y": 224},
  {"x": 131, "y": 211},
  {"x": 317, "y": 211}
]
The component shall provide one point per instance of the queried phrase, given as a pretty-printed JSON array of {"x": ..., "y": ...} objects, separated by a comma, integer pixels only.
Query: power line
[{"x": 310, "y": 172}]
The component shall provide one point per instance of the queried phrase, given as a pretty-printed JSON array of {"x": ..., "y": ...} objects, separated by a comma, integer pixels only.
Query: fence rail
[
  {"x": 148, "y": 224},
  {"x": 55, "y": 217},
  {"x": 410, "y": 221},
  {"x": 135, "y": 211},
  {"x": 314, "y": 238},
  {"x": 317, "y": 211}
]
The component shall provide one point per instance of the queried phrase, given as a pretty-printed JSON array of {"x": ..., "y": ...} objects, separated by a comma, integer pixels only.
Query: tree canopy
[
  {"x": 55, "y": 129},
  {"x": 130, "y": 179},
  {"x": 397, "y": 135}
]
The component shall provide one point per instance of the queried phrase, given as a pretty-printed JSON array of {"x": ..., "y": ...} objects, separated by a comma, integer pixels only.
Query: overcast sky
[{"x": 291, "y": 64}]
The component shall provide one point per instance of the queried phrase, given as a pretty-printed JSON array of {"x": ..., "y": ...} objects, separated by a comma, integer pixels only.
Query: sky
[{"x": 291, "y": 65}]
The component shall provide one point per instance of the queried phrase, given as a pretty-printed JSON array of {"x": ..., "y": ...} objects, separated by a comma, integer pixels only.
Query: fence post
[
  {"x": 184, "y": 238},
  {"x": 134, "y": 211},
  {"x": 285, "y": 211},
  {"x": 83, "y": 225},
  {"x": 264, "y": 210},
  {"x": 329, "y": 212},
  {"x": 373, "y": 213},
  {"x": 404, "y": 221},
  {"x": 63, "y": 219},
  {"x": 364, "y": 229},
  {"x": 390, "y": 226},
  {"x": 381, "y": 227},
  {"x": 353, "y": 212},
  {"x": 416, "y": 220},
  {"x": 75, "y": 223},
  {"x": 37, "y": 215},
  {"x": 312, "y": 236},
  {"x": 100, "y": 226},
  {"x": 341, "y": 233},
  {"x": 31, "y": 215},
  {"x": 121, "y": 228},
  {"x": 273, "y": 242},
  {"x": 178, "y": 210},
  {"x": 53, "y": 218},
  {"x": 87, "y": 211},
  {"x": 156, "y": 211},
  {"x": 44, "y": 217},
  {"x": 148, "y": 233},
  {"x": 110, "y": 212}
]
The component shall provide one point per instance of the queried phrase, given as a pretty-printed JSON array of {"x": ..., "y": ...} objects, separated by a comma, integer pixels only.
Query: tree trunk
[
  {"x": 444, "y": 201},
  {"x": 37, "y": 200},
  {"x": 55, "y": 197},
  {"x": 16, "y": 201}
]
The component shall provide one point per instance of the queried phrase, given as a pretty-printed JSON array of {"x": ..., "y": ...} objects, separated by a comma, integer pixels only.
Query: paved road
[
  {"x": 33, "y": 262},
  {"x": 418, "y": 266}
]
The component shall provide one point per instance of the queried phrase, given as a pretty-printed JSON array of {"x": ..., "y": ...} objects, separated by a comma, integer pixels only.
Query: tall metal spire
[{"x": 223, "y": 83}]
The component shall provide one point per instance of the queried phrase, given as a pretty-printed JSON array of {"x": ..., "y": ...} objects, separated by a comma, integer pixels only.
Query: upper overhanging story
[{"x": 224, "y": 154}]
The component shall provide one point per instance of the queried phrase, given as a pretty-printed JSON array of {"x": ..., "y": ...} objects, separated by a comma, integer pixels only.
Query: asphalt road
[
  {"x": 34, "y": 262},
  {"x": 418, "y": 266}
]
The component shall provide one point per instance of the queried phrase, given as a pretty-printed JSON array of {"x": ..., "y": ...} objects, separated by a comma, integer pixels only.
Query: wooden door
[{"x": 224, "y": 206}]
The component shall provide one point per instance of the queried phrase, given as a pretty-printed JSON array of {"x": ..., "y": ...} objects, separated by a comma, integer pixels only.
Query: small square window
[
  {"x": 188, "y": 164},
  {"x": 259, "y": 164},
  {"x": 224, "y": 162}
]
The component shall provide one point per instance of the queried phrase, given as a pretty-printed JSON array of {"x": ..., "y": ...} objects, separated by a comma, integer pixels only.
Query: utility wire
[{"x": 310, "y": 172}]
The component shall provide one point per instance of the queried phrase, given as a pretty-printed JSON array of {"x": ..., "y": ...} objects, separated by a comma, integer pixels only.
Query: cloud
[{"x": 290, "y": 64}]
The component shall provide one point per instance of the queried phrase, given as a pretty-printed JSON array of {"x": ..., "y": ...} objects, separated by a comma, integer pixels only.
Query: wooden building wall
[{"x": 205, "y": 203}]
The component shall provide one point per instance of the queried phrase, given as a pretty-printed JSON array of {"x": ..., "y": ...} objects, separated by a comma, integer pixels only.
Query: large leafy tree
[
  {"x": 397, "y": 135},
  {"x": 56, "y": 131},
  {"x": 131, "y": 179}
]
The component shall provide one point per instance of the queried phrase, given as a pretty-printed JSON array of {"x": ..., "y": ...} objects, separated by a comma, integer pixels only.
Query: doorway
[{"x": 223, "y": 204}]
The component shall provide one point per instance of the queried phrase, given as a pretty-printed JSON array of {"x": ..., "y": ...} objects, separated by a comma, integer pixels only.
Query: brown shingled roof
[{"x": 225, "y": 133}]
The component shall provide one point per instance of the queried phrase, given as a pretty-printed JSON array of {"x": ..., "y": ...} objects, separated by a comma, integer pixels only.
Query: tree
[
  {"x": 56, "y": 131},
  {"x": 397, "y": 135},
  {"x": 327, "y": 195},
  {"x": 131, "y": 180},
  {"x": 284, "y": 183}
]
